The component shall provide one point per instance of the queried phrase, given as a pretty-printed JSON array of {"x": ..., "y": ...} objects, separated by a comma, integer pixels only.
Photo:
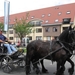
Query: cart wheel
[{"x": 6, "y": 64}]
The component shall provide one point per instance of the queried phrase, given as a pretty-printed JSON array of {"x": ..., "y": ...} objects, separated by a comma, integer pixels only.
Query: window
[
  {"x": 10, "y": 26},
  {"x": 47, "y": 29},
  {"x": 30, "y": 37},
  {"x": 38, "y": 23},
  {"x": 59, "y": 13},
  {"x": 54, "y": 29},
  {"x": 32, "y": 23},
  {"x": 48, "y": 38},
  {"x": 49, "y": 14},
  {"x": 43, "y": 15},
  {"x": 38, "y": 30},
  {"x": 32, "y": 17},
  {"x": 11, "y": 38},
  {"x": 17, "y": 39},
  {"x": 38, "y": 37},
  {"x": 65, "y": 28},
  {"x": 66, "y": 20},
  {"x": 11, "y": 31},
  {"x": 56, "y": 20},
  {"x": 4, "y": 32},
  {"x": 68, "y": 12},
  {"x": 46, "y": 21}
]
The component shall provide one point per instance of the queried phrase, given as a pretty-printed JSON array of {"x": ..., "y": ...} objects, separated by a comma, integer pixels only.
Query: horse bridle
[{"x": 73, "y": 31}]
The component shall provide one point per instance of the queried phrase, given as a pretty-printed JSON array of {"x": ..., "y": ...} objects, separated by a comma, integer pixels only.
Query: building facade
[{"x": 48, "y": 22}]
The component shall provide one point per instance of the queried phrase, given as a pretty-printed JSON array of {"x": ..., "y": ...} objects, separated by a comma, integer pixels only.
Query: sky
[{"x": 18, "y": 6}]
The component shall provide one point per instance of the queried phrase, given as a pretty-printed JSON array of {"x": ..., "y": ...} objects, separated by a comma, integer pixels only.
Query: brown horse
[{"x": 56, "y": 50}]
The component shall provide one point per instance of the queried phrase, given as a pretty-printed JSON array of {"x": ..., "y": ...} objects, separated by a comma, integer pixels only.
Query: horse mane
[{"x": 63, "y": 35}]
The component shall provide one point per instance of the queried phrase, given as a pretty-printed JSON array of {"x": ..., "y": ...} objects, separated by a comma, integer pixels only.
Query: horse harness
[{"x": 62, "y": 46}]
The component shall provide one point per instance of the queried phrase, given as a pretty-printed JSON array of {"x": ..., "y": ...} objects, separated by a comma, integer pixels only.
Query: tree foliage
[
  {"x": 22, "y": 28},
  {"x": 2, "y": 26}
]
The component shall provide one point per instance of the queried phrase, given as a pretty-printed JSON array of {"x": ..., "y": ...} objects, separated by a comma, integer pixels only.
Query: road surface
[{"x": 48, "y": 64}]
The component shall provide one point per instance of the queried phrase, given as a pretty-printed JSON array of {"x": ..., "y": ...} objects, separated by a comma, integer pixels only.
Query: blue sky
[{"x": 17, "y": 6}]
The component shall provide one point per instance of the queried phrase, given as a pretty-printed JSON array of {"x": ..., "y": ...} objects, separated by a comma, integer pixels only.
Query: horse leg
[
  {"x": 27, "y": 65},
  {"x": 60, "y": 68},
  {"x": 57, "y": 67},
  {"x": 44, "y": 70},
  {"x": 71, "y": 70},
  {"x": 35, "y": 67}
]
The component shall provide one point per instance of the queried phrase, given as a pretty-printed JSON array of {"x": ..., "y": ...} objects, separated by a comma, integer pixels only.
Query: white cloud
[{"x": 17, "y": 6}]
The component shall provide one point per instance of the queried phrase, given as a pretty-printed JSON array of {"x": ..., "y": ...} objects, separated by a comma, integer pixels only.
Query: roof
[{"x": 48, "y": 15}]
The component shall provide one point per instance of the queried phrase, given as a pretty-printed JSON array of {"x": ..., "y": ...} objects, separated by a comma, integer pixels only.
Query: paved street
[{"x": 51, "y": 68}]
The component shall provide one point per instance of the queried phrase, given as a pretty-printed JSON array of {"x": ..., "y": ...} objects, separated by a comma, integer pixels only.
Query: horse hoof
[
  {"x": 70, "y": 70},
  {"x": 63, "y": 74},
  {"x": 45, "y": 71},
  {"x": 58, "y": 73}
]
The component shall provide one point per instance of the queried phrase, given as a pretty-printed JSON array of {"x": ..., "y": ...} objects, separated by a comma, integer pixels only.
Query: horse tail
[
  {"x": 29, "y": 56},
  {"x": 27, "y": 65}
]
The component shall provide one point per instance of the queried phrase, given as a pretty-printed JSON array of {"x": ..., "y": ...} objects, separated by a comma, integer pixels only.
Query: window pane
[
  {"x": 59, "y": 13},
  {"x": 38, "y": 30},
  {"x": 11, "y": 31},
  {"x": 54, "y": 29},
  {"x": 30, "y": 38},
  {"x": 11, "y": 38},
  {"x": 10, "y": 26},
  {"x": 38, "y": 37},
  {"x": 65, "y": 28},
  {"x": 32, "y": 23},
  {"x": 47, "y": 29},
  {"x": 68, "y": 12},
  {"x": 66, "y": 20},
  {"x": 4, "y": 32},
  {"x": 49, "y": 14},
  {"x": 48, "y": 38},
  {"x": 46, "y": 21},
  {"x": 38, "y": 23},
  {"x": 56, "y": 20},
  {"x": 43, "y": 15}
]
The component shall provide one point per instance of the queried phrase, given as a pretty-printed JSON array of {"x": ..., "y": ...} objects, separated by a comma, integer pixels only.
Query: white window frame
[
  {"x": 32, "y": 17},
  {"x": 56, "y": 20},
  {"x": 59, "y": 13},
  {"x": 49, "y": 14},
  {"x": 43, "y": 15},
  {"x": 46, "y": 21},
  {"x": 68, "y": 12}
]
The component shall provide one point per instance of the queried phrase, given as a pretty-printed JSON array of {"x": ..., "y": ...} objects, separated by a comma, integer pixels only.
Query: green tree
[
  {"x": 22, "y": 28},
  {"x": 2, "y": 26}
]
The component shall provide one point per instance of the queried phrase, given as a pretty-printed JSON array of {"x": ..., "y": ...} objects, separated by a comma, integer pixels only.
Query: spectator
[{"x": 18, "y": 44}]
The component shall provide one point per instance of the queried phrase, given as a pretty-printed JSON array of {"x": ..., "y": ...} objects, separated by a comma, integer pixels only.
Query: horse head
[
  {"x": 68, "y": 35},
  {"x": 71, "y": 35}
]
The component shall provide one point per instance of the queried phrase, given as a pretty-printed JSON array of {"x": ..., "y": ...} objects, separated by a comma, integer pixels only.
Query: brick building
[{"x": 49, "y": 22}]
